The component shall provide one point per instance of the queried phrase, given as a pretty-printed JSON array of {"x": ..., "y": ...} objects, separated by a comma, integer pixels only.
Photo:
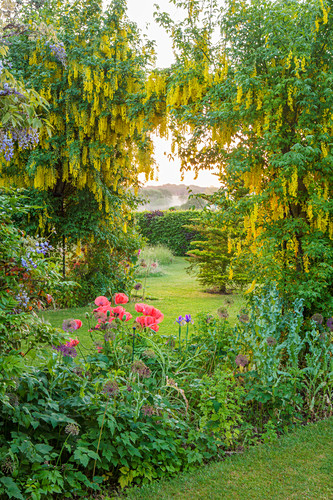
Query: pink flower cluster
[
  {"x": 151, "y": 316},
  {"x": 105, "y": 313}
]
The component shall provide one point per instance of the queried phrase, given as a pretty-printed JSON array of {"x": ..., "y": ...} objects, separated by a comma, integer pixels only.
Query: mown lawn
[
  {"x": 297, "y": 466},
  {"x": 175, "y": 293}
]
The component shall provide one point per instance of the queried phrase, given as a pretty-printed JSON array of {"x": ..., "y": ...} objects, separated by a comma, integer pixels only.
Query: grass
[
  {"x": 176, "y": 292},
  {"x": 297, "y": 466}
]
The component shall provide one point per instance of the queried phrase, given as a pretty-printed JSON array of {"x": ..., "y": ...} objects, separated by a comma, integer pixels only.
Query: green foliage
[
  {"x": 168, "y": 228},
  {"x": 213, "y": 258},
  {"x": 249, "y": 97},
  {"x": 221, "y": 404},
  {"x": 288, "y": 365}
]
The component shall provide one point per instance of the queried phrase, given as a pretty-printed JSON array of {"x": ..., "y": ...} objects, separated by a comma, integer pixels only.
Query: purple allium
[
  {"x": 72, "y": 429},
  {"x": 141, "y": 369},
  {"x": 69, "y": 325},
  {"x": 66, "y": 350},
  {"x": 329, "y": 324},
  {"x": 137, "y": 286},
  {"x": 271, "y": 341},
  {"x": 244, "y": 318},
  {"x": 148, "y": 410},
  {"x": 317, "y": 318},
  {"x": 222, "y": 313},
  {"x": 8, "y": 466},
  {"x": 241, "y": 360},
  {"x": 111, "y": 388}
]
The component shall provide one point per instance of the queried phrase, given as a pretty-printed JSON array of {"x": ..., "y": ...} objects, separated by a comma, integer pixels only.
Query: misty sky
[{"x": 141, "y": 12}]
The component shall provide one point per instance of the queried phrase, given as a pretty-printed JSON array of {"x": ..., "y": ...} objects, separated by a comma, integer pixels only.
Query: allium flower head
[
  {"x": 137, "y": 286},
  {"x": 148, "y": 410},
  {"x": 141, "y": 369},
  {"x": 330, "y": 324},
  {"x": 8, "y": 466},
  {"x": 271, "y": 341},
  {"x": 222, "y": 313},
  {"x": 111, "y": 388},
  {"x": 244, "y": 318},
  {"x": 72, "y": 429},
  {"x": 241, "y": 360},
  {"x": 69, "y": 325},
  {"x": 317, "y": 318}
]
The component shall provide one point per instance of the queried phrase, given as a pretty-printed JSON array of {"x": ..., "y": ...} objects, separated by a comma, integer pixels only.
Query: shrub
[{"x": 168, "y": 228}]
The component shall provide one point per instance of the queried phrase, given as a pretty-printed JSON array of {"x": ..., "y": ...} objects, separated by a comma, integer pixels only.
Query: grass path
[
  {"x": 175, "y": 293},
  {"x": 298, "y": 466}
]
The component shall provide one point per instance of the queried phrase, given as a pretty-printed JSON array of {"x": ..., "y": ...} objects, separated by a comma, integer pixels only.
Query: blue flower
[
  {"x": 180, "y": 320},
  {"x": 188, "y": 318}
]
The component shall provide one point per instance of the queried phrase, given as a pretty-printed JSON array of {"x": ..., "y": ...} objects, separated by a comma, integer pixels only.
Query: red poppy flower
[
  {"x": 78, "y": 323},
  {"x": 126, "y": 316},
  {"x": 141, "y": 321},
  {"x": 120, "y": 298},
  {"x": 157, "y": 315},
  {"x": 140, "y": 307},
  {"x": 154, "y": 327},
  {"x": 119, "y": 310},
  {"x": 102, "y": 301},
  {"x": 73, "y": 342}
]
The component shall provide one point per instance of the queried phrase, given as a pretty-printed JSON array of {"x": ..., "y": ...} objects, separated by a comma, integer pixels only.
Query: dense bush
[
  {"x": 138, "y": 406},
  {"x": 168, "y": 228}
]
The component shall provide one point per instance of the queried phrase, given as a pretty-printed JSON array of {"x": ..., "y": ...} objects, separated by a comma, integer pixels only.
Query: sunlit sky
[{"x": 141, "y": 12}]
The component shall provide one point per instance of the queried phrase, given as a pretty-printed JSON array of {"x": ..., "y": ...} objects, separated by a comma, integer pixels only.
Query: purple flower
[
  {"x": 66, "y": 350},
  {"x": 241, "y": 360},
  {"x": 180, "y": 320},
  {"x": 188, "y": 318},
  {"x": 330, "y": 324}
]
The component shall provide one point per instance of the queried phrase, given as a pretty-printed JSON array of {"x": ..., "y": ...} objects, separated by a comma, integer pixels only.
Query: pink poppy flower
[
  {"x": 73, "y": 342},
  {"x": 120, "y": 298},
  {"x": 157, "y": 315},
  {"x": 148, "y": 310},
  {"x": 102, "y": 301},
  {"x": 140, "y": 307},
  {"x": 126, "y": 316},
  {"x": 154, "y": 327},
  {"x": 119, "y": 310},
  {"x": 78, "y": 323},
  {"x": 141, "y": 321}
]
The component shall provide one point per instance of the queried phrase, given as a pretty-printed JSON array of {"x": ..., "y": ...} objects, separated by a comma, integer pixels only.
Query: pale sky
[{"x": 141, "y": 12}]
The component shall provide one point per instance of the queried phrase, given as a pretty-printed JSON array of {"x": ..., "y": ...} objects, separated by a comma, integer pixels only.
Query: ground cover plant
[
  {"x": 298, "y": 465},
  {"x": 138, "y": 406}
]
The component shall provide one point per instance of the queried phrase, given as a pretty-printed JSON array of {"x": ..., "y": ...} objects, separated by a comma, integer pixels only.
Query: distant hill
[{"x": 172, "y": 195}]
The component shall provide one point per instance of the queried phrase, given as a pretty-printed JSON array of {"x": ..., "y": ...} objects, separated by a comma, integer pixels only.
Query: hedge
[{"x": 169, "y": 228}]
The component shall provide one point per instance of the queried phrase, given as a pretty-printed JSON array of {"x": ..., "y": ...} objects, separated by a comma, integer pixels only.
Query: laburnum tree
[
  {"x": 83, "y": 176},
  {"x": 251, "y": 94}
]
